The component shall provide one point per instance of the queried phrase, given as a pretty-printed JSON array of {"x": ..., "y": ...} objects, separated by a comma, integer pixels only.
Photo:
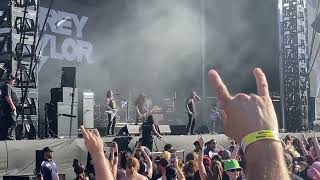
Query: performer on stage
[
  {"x": 9, "y": 101},
  {"x": 111, "y": 107},
  {"x": 148, "y": 130},
  {"x": 141, "y": 108},
  {"x": 191, "y": 109}
]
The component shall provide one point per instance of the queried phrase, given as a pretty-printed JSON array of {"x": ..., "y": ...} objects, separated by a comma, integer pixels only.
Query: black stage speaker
[
  {"x": 202, "y": 130},
  {"x": 68, "y": 78},
  {"x": 178, "y": 129},
  {"x": 39, "y": 159},
  {"x": 130, "y": 130},
  {"x": 56, "y": 95}
]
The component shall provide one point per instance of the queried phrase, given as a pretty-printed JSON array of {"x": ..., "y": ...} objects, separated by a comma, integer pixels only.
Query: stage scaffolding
[
  {"x": 18, "y": 44},
  {"x": 293, "y": 64}
]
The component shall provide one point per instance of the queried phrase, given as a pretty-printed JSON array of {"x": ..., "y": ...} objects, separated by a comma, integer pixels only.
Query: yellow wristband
[{"x": 257, "y": 136}]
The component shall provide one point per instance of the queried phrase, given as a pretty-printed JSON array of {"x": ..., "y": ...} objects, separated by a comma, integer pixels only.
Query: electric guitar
[
  {"x": 113, "y": 112},
  {"x": 146, "y": 114}
]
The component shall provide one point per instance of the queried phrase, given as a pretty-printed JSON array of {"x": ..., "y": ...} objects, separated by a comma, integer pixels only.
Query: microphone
[{"x": 117, "y": 94}]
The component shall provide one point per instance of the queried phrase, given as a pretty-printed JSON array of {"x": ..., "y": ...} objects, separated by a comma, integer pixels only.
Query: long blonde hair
[{"x": 133, "y": 165}]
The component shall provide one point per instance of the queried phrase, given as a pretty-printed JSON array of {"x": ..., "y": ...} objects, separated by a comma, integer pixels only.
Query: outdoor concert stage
[{"x": 18, "y": 157}]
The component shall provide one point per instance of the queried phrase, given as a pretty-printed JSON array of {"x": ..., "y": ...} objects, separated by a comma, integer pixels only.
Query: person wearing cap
[
  {"x": 9, "y": 99},
  {"x": 48, "y": 169},
  {"x": 232, "y": 169}
]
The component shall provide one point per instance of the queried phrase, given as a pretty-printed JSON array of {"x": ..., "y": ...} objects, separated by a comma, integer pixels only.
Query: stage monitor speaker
[
  {"x": 202, "y": 130},
  {"x": 68, "y": 78},
  {"x": 39, "y": 159},
  {"x": 164, "y": 129},
  {"x": 178, "y": 129},
  {"x": 130, "y": 130}
]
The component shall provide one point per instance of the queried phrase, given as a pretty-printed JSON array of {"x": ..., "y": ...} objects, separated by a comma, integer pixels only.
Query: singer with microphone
[
  {"x": 9, "y": 101},
  {"x": 191, "y": 110}
]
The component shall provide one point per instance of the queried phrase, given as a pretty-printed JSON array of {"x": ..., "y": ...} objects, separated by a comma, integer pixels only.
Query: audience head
[
  {"x": 132, "y": 165},
  {"x": 168, "y": 147},
  {"x": 232, "y": 168},
  {"x": 206, "y": 161},
  {"x": 193, "y": 156},
  {"x": 212, "y": 144},
  {"x": 47, "y": 153},
  {"x": 314, "y": 171},
  {"x": 166, "y": 155}
]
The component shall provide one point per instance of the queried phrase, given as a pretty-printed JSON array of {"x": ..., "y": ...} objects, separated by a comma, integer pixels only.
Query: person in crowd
[
  {"x": 232, "y": 170},
  {"x": 211, "y": 148},
  {"x": 48, "y": 169},
  {"x": 289, "y": 148},
  {"x": 166, "y": 155},
  {"x": 113, "y": 158},
  {"x": 81, "y": 175},
  {"x": 147, "y": 163},
  {"x": 168, "y": 147},
  {"x": 121, "y": 172},
  {"x": 197, "y": 147},
  {"x": 289, "y": 161},
  {"x": 314, "y": 171},
  {"x": 9, "y": 102},
  {"x": 191, "y": 157},
  {"x": 191, "y": 170},
  {"x": 208, "y": 171}
]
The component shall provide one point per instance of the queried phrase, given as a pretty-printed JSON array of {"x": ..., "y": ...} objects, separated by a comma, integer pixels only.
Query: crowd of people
[{"x": 256, "y": 151}]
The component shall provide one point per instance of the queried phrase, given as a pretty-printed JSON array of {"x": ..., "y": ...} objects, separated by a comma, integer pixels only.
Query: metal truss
[
  {"x": 293, "y": 33},
  {"x": 18, "y": 36}
]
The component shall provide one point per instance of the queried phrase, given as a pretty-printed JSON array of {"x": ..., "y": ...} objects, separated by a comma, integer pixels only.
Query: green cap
[{"x": 231, "y": 164}]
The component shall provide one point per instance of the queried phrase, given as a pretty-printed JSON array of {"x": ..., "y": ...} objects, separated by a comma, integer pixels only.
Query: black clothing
[
  {"x": 8, "y": 90},
  {"x": 191, "y": 118},
  {"x": 111, "y": 124},
  {"x": 8, "y": 116},
  {"x": 146, "y": 135},
  {"x": 190, "y": 106},
  {"x": 192, "y": 123}
]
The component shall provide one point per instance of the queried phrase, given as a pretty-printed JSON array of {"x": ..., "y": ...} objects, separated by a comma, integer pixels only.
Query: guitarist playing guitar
[
  {"x": 191, "y": 109},
  {"x": 112, "y": 109},
  {"x": 141, "y": 108}
]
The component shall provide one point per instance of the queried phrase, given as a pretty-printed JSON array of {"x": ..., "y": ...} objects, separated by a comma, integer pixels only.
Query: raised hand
[
  {"x": 201, "y": 141},
  {"x": 243, "y": 113},
  {"x": 93, "y": 141}
]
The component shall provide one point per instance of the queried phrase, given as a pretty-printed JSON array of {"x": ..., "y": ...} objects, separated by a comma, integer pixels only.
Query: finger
[
  {"x": 96, "y": 133},
  {"x": 261, "y": 81},
  {"x": 84, "y": 133},
  {"x": 221, "y": 89}
]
